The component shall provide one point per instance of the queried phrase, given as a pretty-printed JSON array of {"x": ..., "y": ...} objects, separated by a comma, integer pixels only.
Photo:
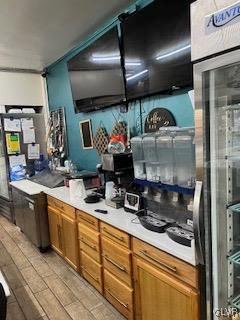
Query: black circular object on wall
[{"x": 157, "y": 118}]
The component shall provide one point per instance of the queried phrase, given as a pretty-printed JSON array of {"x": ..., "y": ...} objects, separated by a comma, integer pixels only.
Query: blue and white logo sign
[{"x": 222, "y": 18}]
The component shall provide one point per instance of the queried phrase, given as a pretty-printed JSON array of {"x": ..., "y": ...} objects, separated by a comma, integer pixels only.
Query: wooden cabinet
[
  {"x": 141, "y": 281},
  {"x": 161, "y": 296},
  {"x": 69, "y": 239},
  {"x": 54, "y": 219},
  {"x": 119, "y": 295},
  {"x": 117, "y": 260},
  {"x": 89, "y": 241},
  {"x": 91, "y": 271},
  {"x": 90, "y": 249},
  {"x": 115, "y": 234},
  {"x": 88, "y": 220},
  {"x": 63, "y": 231},
  {"x": 167, "y": 263}
]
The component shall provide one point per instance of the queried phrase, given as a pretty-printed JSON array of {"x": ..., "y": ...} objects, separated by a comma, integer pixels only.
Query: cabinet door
[
  {"x": 70, "y": 241},
  {"x": 54, "y": 219},
  {"x": 161, "y": 296}
]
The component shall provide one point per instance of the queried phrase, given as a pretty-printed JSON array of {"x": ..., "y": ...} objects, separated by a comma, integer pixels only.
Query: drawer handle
[
  {"x": 114, "y": 263},
  {"x": 88, "y": 221},
  {"x": 119, "y": 301},
  {"x": 146, "y": 254},
  {"x": 113, "y": 235},
  {"x": 59, "y": 236},
  {"x": 89, "y": 245},
  {"x": 59, "y": 206},
  {"x": 94, "y": 278}
]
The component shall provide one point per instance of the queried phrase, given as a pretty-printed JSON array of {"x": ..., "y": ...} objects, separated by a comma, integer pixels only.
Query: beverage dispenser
[
  {"x": 150, "y": 156},
  {"x": 184, "y": 157},
  {"x": 138, "y": 158},
  {"x": 164, "y": 144}
]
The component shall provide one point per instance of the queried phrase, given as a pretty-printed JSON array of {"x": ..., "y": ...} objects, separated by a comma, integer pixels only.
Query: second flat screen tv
[
  {"x": 157, "y": 48},
  {"x": 96, "y": 75}
]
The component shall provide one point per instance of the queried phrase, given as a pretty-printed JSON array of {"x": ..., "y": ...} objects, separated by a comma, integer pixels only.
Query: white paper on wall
[
  {"x": 33, "y": 151},
  {"x": 17, "y": 160},
  {"x": 12, "y": 125},
  {"x": 27, "y": 123},
  {"x": 29, "y": 136}
]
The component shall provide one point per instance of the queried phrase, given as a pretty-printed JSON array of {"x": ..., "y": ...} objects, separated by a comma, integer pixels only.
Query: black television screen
[
  {"x": 157, "y": 47},
  {"x": 96, "y": 75}
]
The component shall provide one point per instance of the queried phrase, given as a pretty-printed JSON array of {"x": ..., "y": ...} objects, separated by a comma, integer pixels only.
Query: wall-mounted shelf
[{"x": 167, "y": 187}]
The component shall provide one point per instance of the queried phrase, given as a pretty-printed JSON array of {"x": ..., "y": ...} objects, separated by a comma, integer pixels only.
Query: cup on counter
[{"x": 77, "y": 189}]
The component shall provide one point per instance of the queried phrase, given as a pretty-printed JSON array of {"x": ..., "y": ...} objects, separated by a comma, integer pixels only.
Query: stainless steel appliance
[
  {"x": 31, "y": 217},
  {"x": 6, "y": 201},
  {"x": 30, "y": 210},
  {"x": 217, "y": 224}
]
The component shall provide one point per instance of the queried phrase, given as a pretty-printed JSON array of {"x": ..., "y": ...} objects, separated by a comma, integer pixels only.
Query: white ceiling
[{"x": 35, "y": 33}]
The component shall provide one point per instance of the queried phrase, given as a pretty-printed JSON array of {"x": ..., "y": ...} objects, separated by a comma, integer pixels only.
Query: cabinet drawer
[
  {"x": 88, "y": 220},
  {"x": 89, "y": 241},
  {"x": 91, "y": 271},
  {"x": 117, "y": 260},
  {"x": 166, "y": 262},
  {"x": 118, "y": 294},
  {"x": 115, "y": 235},
  {"x": 65, "y": 208}
]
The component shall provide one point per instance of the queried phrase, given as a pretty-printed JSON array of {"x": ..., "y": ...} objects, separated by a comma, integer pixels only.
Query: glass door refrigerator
[{"x": 217, "y": 119}]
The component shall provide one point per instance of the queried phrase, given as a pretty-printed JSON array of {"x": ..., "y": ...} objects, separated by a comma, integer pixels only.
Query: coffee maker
[{"x": 118, "y": 169}]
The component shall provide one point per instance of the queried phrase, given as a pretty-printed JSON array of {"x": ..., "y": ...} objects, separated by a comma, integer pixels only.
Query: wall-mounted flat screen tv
[
  {"x": 96, "y": 74},
  {"x": 157, "y": 47}
]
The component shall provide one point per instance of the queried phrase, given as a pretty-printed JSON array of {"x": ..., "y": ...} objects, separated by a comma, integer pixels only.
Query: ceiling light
[
  {"x": 137, "y": 75},
  {"x": 105, "y": 58},
  {"x": 133, "y": 63},
  {"x": 173, "y": 52}
]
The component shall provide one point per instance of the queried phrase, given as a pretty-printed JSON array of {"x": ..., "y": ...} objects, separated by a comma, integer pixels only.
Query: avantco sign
[{"x": 222, "y": 18}]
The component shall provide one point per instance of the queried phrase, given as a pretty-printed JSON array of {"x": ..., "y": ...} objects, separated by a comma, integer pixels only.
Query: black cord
[{"x": 133, "y": 220}]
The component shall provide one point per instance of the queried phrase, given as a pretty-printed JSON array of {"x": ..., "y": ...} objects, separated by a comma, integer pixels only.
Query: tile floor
[{"x": 43, "y": 286}]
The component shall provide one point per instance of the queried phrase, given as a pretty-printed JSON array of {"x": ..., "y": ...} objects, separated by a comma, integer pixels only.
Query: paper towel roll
[{"x": 77, "y": 189}]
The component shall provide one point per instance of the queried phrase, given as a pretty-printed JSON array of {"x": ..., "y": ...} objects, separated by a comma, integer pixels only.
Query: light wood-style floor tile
[
  {"x": 16, "y": 254},
  {"x": 28, "y": 303},
  {"x": 78, "y": 312},
  {"x": 13, "y": 276},
  {"x": 52, "y": 306},
  {"x": 28, "y": 249},
  {"x": 44, "y": 286},
  {"x": 34, "y": 281},
  {"x": 61, "y": 291},
  {"x": 41, "y": 266},
  {"x": 5, "y": 258},
  {"x": 90, "y": 301},
  {"x": 14, "y": 312},
  {"x": 11, "y": 298},
  {"x": 102, "y": 312}
]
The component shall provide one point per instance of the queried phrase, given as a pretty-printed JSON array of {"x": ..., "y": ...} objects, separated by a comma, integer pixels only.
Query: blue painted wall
[{"x": 59, "y": 93}]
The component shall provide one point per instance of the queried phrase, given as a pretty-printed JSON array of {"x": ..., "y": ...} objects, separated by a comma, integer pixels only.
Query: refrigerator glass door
[
  {"x": 217, "y": 118},
  {"x": 4, "y": 191}
]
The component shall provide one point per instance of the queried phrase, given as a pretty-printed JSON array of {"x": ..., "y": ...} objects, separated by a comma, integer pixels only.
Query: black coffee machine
[{"x": 119, "y": 169}]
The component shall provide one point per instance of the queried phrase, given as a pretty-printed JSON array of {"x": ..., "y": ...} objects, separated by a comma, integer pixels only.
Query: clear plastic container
[
  {"x": 138, "y": 158},
  {"x": 184, "y": 157},
  {"x": 150, "y": 156},
  {"x": 165, "y": 158}
]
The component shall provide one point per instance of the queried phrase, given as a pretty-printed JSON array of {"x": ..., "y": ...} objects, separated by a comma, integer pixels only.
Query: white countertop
[
  {"x": 129, "y": 223},
  {"x": 29, "y": 187},
  {"x": 4, "y": 284}
]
